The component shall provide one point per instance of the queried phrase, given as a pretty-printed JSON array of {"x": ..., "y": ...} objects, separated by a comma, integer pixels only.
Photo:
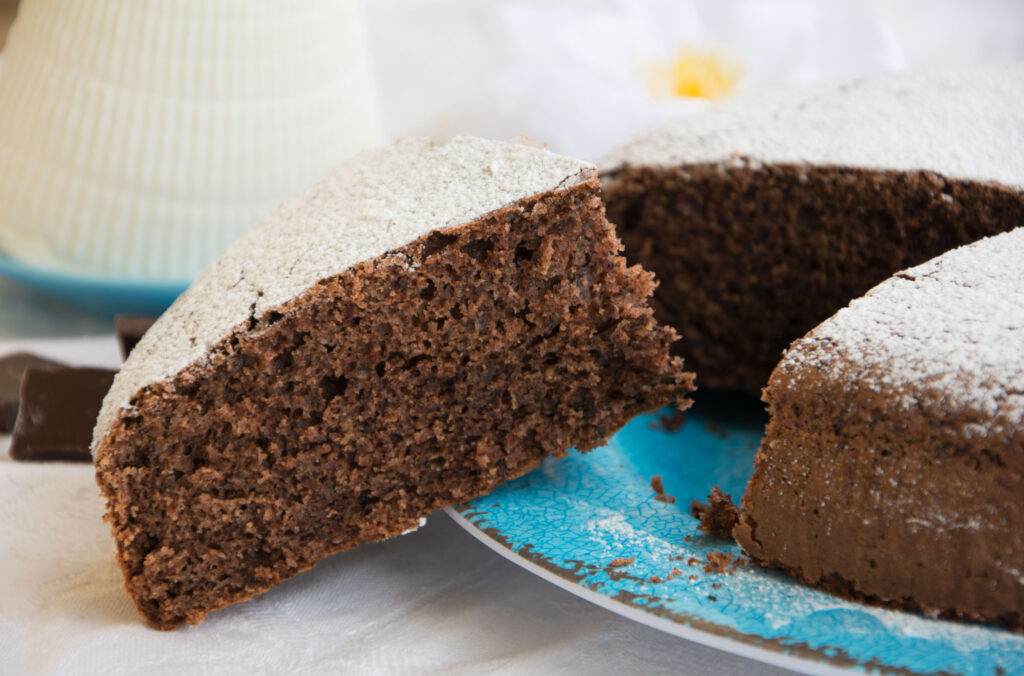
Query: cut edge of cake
[{"x": 821, "y": 191}]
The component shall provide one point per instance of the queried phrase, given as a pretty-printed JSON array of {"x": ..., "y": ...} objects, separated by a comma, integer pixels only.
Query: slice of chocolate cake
[
  {"x": 766, "y": 214},
  {"x": 892, "y": 469},
  {"x": 428, "y": 321}
]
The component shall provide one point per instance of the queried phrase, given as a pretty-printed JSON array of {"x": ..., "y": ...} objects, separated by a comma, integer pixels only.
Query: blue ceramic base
[
  {"x": 102, "y": 296},
  {"x": 572, "y": 518}
]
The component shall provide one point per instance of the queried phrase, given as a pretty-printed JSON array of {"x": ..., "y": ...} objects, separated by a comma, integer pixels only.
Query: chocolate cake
[
  {"x": 892, "y": 469},
  {"x": 427, "y": 322},
  {"x": 764, "y": 215}
]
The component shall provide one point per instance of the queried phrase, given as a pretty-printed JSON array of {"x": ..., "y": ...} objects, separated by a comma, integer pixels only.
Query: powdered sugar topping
[
  {"x": 944, "y": 336},
  {"x": 965, "y": 124}
]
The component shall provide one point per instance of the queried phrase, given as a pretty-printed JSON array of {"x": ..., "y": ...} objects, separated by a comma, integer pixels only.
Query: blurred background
[{"x": 581, "y": 76}]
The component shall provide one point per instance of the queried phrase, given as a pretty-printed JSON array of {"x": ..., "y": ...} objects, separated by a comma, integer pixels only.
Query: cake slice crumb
[
  {"x": 673, "y": 422},
  {"x": 724, "y": 563},
  {"x": 718, "y": 516},
  {"x": 659, "y": 491}
]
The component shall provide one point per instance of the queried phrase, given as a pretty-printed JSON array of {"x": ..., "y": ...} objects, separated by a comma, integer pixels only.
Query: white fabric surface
[{"x": 437, "y": 600}]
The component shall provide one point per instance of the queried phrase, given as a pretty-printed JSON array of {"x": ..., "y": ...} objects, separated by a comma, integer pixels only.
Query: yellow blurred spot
[{"x": 706, "y": 74}]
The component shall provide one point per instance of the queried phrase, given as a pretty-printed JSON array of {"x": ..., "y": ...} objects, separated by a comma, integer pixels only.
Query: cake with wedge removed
[
  {"x": 428, "y": 321},
  {"x": 764, "y": 215},
  {"x": 892, "y": 468}
]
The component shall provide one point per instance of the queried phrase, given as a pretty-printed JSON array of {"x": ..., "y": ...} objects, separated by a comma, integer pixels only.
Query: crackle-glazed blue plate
[{"x": 570, "y": 519}]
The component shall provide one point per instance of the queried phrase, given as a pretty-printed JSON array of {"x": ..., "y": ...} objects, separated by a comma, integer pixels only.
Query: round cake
[
  {"x": 138, "y": 140},
  {"x": 892, "y": 469},
  {"x": 426, "y": 322},
  {"x": 764, "y": 215}
]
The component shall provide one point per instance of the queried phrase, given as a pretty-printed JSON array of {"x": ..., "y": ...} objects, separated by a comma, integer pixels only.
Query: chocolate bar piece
[
  {"x": 12, "y": 366},
  {"x": 57, "y": 413},
  {"x": 130, "y": 329}
]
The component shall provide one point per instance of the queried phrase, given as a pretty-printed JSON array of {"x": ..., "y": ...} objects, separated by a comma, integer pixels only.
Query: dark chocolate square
[
  {"x": 130, "y": 329},
  {"x": 57, "y": 413},
  {"x": 12, "y": 367}
]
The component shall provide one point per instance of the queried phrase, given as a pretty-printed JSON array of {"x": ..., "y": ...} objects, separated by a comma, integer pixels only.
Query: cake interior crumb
[
  {"x": 659, "y": 490},
  {"x": 718, "y": 515}
]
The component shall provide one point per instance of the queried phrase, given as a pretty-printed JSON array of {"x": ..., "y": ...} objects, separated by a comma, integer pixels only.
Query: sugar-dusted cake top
[
  {"x": 946, "y": 336},
  {"x": 966, "y": 124},
  {"x": 378, "y": 201}
]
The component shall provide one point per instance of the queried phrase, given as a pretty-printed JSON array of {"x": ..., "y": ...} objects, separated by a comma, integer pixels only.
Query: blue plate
[
  {"x": 571, "y": 519},
  {"x": 105, "y": 296}
]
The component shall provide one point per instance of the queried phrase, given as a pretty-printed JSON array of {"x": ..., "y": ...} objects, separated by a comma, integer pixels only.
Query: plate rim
[
  {"x": 28, "y": 273},
  {"x": 735, "y": 646}
]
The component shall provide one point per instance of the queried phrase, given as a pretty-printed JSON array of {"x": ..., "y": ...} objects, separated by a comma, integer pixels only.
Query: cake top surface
[
  {"x": 964, "y": 124},
  {"x": 945, "y": 336},
  {"x": 378, "y": 201}
]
